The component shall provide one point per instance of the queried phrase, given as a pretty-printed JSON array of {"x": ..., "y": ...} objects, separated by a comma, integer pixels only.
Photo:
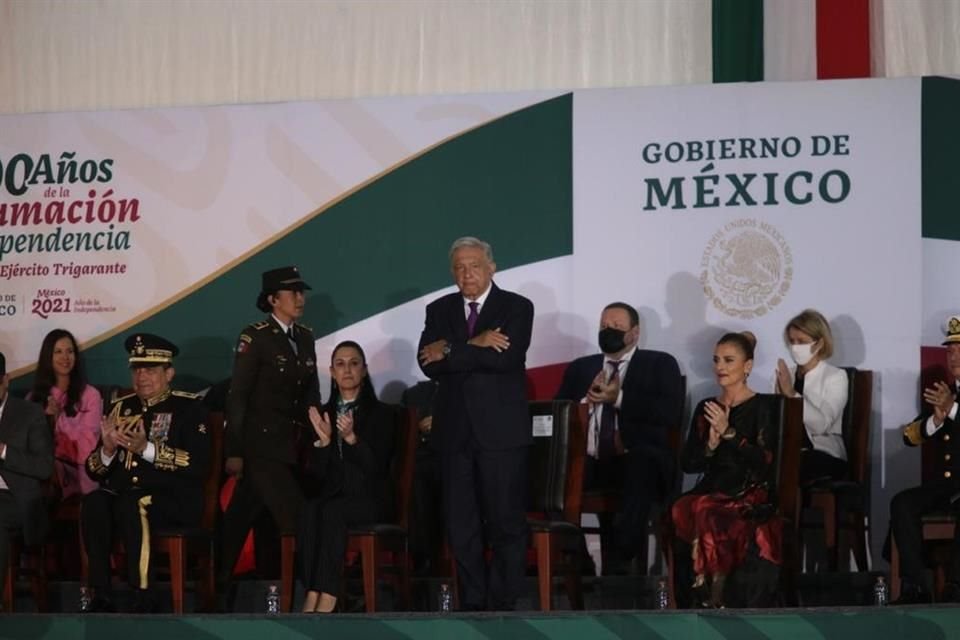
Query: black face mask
[{"x": 611, "y": 340}]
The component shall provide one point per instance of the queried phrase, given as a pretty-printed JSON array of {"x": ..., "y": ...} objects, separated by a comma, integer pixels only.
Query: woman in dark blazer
[{"x": 347, "y": 474}]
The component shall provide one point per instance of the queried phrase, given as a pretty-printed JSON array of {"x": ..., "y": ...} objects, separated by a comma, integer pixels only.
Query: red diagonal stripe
[{"x": 843, "y": 39}]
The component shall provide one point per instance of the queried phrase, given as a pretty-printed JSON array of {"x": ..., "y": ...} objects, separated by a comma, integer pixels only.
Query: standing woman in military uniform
[
  {"x": 274, "y": 383},
  {"x": 151, "y": 463}
]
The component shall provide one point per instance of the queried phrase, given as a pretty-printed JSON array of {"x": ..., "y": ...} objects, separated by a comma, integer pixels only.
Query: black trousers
[
  {"x": 10, "y": 523},
  {"x": 426, "y": 508},
  {"x": 128, "y": 516},
  {"x": 485, "y": 494},
  {"x": 265, "y": 484},
  {"x": 906, "y": 510},
  {"x": 816, "y": 465},
  {"x": 322, "y": 539}
]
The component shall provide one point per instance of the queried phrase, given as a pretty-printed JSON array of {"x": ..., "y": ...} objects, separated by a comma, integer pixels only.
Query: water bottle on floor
[
  {"x": 85, "y": 599},
  {"x": 445, "y": 603},
  {"x": 880, "y": 594},
  {"x": 273, "y": 600},
  {"x": 662, "y": 595}
]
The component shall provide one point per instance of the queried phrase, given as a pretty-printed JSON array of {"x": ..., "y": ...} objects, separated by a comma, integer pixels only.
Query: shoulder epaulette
[
  {"x": 259, "y": 326},
  {"x": 304, "y": 327},
  {"x": 185, "y": 394},
  {"x": 117, "y": 399}
]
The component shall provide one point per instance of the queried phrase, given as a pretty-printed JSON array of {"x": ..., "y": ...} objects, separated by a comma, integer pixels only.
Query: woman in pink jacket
[{"x": 73, "y": 406}]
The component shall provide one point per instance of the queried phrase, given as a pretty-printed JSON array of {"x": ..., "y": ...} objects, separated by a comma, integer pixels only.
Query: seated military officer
[
  {"x": 938, "y": 422},
  {"x": 151, "y": 461}
]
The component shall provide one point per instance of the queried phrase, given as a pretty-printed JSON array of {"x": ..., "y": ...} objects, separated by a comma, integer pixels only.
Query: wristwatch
[{"x": 446, "y": 350}]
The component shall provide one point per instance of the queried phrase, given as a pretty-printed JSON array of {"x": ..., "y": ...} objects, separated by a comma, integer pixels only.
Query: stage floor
[{"x": 889, "y": 623}]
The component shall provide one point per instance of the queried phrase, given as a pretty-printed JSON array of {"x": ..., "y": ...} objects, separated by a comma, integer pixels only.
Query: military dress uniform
[
  {"x": 938, "y": 494},
  {"x": 274, "y": 383},
  {"x": 136, "y": 495}
]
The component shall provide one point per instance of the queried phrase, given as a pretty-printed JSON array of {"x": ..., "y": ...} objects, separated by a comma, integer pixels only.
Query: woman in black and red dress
[{"x": 732, "y": 441}]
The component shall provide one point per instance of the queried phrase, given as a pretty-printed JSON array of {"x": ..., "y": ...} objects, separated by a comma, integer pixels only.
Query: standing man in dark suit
[
  {"x": 26, "y": 461},
  {"x": 474, "y": 343},
  {"x": 151, "y": 463},
  {"x": 939, "y": 423},
  {"x": 274, "y": 384},
  {"x": 636, "y": 399}
]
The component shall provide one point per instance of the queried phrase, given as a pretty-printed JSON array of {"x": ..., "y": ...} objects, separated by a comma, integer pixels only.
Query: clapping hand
[
  {"x": 109, "y": 435},
  {"x": 321, "y": 425},
  {"x": 784, "y": 380},
  {"x": 345, "y": 427},
  {"x": 718, "y": 417},
  {"x": 940, "y": 397},
  {"x": 603, "y": 392},
  {"x": 134, "y": 438}
]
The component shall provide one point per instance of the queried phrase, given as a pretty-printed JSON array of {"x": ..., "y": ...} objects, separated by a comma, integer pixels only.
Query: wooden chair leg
[
  {"x": 178, "y": 562},
  {"x": 860, "y": 540},
  {"x": 826, "y": 504},
  {"x": 939, "y": 581},
  {"x": 369, "y": 550},
  {"x": 542, "y": 544},
  {"x": 209, "y": 579},
  {"x": 894, "y": 569}
]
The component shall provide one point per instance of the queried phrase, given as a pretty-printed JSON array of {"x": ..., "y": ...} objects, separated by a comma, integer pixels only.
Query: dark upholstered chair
[{"x": 844, "y": 504}]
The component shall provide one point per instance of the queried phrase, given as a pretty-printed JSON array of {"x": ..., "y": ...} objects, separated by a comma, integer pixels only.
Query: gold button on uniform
[
  {"x": 133, "y": 464},
  {"x": 135, "y": 479},
  {"x": 947, "y": 474},
  {"x": 946, "y": 437},
  {"x": 947, "y": 457}
]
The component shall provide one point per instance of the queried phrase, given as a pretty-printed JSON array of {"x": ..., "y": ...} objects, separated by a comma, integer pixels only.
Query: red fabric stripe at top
[{"x": 843, "y": 39}]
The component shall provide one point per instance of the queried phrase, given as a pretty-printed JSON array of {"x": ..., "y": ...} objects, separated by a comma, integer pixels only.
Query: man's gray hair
[{"x": 474, "y": 243}]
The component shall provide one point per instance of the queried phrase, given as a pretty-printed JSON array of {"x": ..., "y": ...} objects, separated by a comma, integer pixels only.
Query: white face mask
[{"x": 802, "y": 353}]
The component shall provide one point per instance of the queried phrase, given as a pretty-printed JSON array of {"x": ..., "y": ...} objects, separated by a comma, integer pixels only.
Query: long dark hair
[
  {"x": 368, "y": 394},
  {"x": 45, "y": 378}
]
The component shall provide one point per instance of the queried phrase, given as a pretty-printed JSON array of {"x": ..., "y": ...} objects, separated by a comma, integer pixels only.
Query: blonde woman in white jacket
[{"x": 823, "y": 388}]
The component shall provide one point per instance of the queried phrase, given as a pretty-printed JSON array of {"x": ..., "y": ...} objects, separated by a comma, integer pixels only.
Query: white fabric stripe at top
[{"x": 789, "y": 40}]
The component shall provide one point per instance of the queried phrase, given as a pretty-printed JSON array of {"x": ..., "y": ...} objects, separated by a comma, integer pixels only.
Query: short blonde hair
[{"x": 812, "y": 323}]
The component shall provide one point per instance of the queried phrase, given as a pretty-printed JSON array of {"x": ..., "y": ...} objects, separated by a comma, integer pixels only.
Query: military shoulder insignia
[
  {"x": 117, "y": 398},
  {"x": 185, "y": 394},
  {"x": 304, "y": 327},
  {"x": 202, "y": 428},
  {"x": 911, "y": 434},
  {"x": 260, "y": 326}
]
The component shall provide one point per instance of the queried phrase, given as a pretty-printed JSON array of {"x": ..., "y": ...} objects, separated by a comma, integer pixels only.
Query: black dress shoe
[
  {"x": 101, "y": 604},
  {"x": 912, "y": 594}
]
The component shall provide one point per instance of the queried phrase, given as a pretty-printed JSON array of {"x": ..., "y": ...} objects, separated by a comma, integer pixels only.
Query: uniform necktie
[
  {"x": 292, "y": 340},
  {"x": 606, "y": 440},
  {"x": 472, "y": 319}
]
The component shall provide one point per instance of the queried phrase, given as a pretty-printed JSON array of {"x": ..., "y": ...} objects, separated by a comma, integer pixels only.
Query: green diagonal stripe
[{"x": 509, "y": 182}]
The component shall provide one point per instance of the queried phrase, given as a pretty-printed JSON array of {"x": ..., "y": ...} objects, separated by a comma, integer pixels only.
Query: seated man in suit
[
  {"x": 151, "y": 463},
  {"x": 26, "y": 461},
  {"x": 937, "y": 422},
  {"x": 636, "y": 398}
]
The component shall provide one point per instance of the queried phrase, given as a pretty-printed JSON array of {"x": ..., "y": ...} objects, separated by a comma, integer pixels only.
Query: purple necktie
[
  {"x": 472, "y": 319},
  {"x": 606, "y": 440}
]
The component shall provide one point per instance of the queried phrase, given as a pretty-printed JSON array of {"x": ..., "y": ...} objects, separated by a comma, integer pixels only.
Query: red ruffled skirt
[{"x": 720, "y": 530}]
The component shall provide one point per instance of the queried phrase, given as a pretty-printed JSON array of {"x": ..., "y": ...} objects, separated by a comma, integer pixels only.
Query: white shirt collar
[
  {"x": 481, "y": 299},
  {"x": 624, "y": 360},
  {"x": 284, "y": 327}
]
